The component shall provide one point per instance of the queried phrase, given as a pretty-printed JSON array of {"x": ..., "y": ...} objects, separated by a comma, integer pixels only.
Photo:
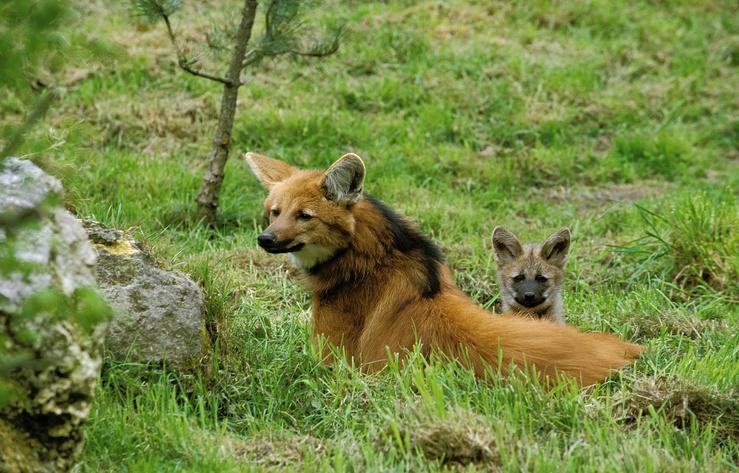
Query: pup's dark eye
[
  {"x": 304, "y": 216},
  {"x": 519, "y": 278},
  {"x": 540, "y": 278},
  {"x": 274, "y": 212}
]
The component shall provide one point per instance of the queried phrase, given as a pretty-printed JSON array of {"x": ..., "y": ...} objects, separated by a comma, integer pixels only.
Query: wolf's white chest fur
[{"x": 310, "y": 255}]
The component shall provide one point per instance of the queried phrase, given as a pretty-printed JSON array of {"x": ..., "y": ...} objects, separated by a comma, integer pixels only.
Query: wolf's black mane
[{"x": 408, "y": 239}]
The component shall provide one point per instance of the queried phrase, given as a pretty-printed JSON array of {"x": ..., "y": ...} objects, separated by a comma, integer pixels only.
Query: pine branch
[
  {"x": 154, "y": 10},
  {"x": 185, "y": 63},
  {"x": 284, "y": 33},
  {"x": 323, "y": 48}
]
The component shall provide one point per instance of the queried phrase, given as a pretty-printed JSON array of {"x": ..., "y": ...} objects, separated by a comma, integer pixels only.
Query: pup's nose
[
  {"x": 529, "y": 296},
  {"x": 266, "y": 239}
]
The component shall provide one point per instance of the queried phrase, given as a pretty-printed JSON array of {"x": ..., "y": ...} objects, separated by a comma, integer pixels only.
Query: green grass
[{"x": 617, "y": 119}]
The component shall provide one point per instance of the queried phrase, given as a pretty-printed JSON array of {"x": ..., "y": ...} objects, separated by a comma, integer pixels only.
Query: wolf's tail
[{"x": 549, "y": 348}]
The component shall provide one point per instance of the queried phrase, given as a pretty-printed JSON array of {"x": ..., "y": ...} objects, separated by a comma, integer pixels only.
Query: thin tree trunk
[{"x": 207, "y": 198}]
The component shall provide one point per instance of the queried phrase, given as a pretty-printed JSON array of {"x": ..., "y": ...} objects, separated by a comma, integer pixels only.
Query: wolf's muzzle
[
  {"x": 269, "y": 242},
  {"x": 530, "y": 300}
]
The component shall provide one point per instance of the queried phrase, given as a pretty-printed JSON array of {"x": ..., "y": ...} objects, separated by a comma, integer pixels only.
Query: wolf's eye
[
  {"x": 274, "y": 212},
  {"x": 540, "y": 278},
  {"x": 519, "y": 278},
  {"x": 304, "y": 216}
]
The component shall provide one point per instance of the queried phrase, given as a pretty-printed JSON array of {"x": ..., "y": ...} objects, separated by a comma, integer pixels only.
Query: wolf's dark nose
[
  {"x": 529, "y": 297},
  {"x": 266, "y": 239}
]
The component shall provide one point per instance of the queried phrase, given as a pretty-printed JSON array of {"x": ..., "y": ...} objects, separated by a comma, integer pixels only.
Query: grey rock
[
  {"x": 42, "y": 426},
  {"x": 159, "y": 314},
  {"x": 25, "y": 186}
]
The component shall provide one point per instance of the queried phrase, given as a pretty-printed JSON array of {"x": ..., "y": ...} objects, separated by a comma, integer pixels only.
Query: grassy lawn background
[{"x": 616, "y": 119}]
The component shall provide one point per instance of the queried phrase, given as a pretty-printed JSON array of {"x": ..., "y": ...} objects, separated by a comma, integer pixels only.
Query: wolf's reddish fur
[{"x": 381, "y": 284}]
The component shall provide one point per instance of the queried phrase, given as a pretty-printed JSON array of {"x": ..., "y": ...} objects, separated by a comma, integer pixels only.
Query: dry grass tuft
[
  {"x": 692, "y": 243},
  {"x": 457, "y": 439},
  {"x": 275, "y": 451},
  {"x": 154, "y": 121},
  {"x": 257, "y": 260},
  {"x": 652, "y": 325},
  {"x": 682, "y": 402}
]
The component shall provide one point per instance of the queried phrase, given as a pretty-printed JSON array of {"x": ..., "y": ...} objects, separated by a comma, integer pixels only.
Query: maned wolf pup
[
  {"x": 381, "y": 285},
  {"x": 530, "y": 276}
]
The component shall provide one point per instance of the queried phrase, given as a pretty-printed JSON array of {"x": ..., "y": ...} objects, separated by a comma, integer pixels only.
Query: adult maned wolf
[{"x": 379, "y": 284}]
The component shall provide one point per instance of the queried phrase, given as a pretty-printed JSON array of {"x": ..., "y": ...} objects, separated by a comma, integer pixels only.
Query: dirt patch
[
  {"x": 681, "y": 402},
  {"x": 275, "y": 451},
  {"x": 586, "y": 198},
  {"x": 458, "y": 22},
  {"x": 627, "y": 192},
  {"x": 457, "y": 439}
]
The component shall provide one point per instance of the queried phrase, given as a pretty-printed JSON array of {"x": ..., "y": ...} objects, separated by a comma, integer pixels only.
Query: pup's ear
[
  {"x": 344, "y": 180},
  {"x": 506, "y": 246},
  {"x": 556, "y": 247},
  {"x": 269, "y": 171}
]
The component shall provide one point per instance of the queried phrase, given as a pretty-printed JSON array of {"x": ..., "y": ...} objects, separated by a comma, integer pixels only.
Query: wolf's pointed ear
[
  {"x": 555, "y": 248},
  {"x": 343, "y": 182},
  {"x": 269, "y": 171},
  {"x": 506, "y": 246}
]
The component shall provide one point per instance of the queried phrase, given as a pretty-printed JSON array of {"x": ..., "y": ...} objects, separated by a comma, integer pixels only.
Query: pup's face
[
  {"x": 530, "y": 276},
  {"x": 310, "y": 211}
]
